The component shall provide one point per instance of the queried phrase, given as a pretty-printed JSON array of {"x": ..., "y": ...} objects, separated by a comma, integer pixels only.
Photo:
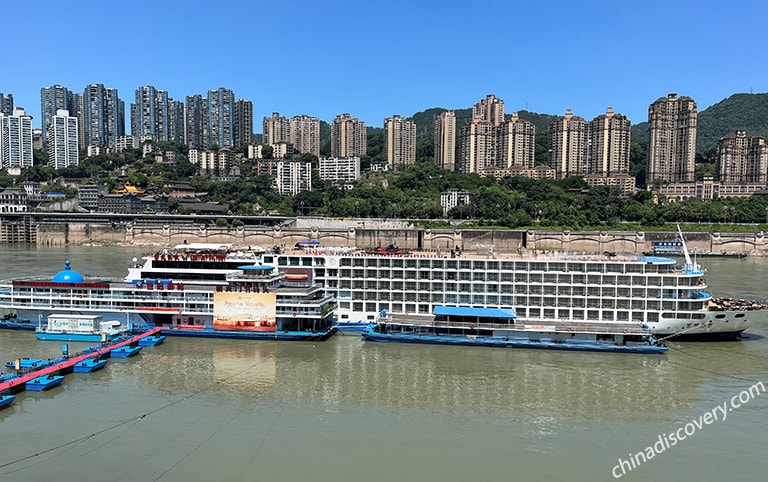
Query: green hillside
[{"x": 742, "y": 112}]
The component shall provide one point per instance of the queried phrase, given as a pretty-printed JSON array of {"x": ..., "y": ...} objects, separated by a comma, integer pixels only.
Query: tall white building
[
  {"x": 62, "y": 140},
  {"x": 340, "y": 170},
  {"x": 16, "y": 139},
  {"x": 293, "y": 177}
]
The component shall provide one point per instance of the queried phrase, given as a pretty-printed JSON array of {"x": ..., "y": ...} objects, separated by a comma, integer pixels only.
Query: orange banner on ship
[{"x": 244, "y": 311}]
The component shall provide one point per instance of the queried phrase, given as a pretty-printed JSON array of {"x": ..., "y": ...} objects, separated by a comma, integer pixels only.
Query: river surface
[{"x": 348, "y": 410}]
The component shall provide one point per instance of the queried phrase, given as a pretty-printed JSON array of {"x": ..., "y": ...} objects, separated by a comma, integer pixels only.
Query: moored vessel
[
  {"x": 499, "y": 328},
  {"x": 191, "y": 290}
]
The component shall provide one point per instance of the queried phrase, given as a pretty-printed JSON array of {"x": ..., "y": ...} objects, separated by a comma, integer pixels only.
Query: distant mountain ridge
[{"x": 739, "y": 112}]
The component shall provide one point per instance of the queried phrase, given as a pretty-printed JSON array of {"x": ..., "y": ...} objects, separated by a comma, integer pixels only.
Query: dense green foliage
[{"x": 415, "y": 192}]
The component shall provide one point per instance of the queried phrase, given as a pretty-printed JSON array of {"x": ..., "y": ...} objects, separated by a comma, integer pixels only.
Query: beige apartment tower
[
  {"x": 742, "y": 158},
  {"x": 516, "y": 143},
  {"x": 609, "y": 145},
  {"x": 490, "y": 109},
  {"x": 400, "y": 141},
  {"x": 672, "y": 140},
  {"x": 305, "y": 134},
  {"x": 348, "y": 137},
  {"x": 445, "y": 140},
  {"x": 277, "y": 129},
  {"x": 568, "y": 142}
]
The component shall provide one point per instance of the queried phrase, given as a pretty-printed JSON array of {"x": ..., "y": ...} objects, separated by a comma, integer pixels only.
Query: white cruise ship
[
  {"x": 656, "y": 293},
  {"x": 195, "y": 290}
]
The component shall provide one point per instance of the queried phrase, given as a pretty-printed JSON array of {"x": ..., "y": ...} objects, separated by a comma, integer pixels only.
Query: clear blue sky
[{"x": 377, "y": 59}]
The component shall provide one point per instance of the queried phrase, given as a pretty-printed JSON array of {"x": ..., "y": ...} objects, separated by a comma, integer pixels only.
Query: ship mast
[{"x": 688, "y": 262}]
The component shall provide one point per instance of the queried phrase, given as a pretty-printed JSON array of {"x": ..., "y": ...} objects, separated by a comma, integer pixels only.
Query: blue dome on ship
[{"x": 67, "y": 275}]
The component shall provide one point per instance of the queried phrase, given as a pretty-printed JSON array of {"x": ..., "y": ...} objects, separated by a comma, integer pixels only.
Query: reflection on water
[{"x": 195, "y": 409}]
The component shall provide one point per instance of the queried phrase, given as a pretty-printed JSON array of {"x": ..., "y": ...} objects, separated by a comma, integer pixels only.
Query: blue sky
[{"x": 377, "y": 59}]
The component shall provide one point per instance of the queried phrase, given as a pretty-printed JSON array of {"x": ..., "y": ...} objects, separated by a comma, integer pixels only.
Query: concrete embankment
[{"x": 368, "y": 234}]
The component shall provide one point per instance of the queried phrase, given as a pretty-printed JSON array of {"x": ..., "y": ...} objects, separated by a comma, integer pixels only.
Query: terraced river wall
[{"x": 441, "y": 240}]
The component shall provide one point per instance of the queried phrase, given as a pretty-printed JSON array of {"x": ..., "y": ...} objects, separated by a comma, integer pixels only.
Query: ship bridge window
[
  {"x": 358, "y": 262},
  {"x": 345, "y": 262}
]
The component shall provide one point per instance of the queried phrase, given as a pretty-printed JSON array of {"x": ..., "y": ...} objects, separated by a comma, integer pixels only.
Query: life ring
[
  {"x": 570, "y": 329},
  {"x": 626, "y": 331},
  {"x": 294, "y": 313}
]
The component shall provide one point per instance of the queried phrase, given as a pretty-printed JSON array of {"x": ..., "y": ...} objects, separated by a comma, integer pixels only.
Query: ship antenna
[{"x": 688, "y": 262}]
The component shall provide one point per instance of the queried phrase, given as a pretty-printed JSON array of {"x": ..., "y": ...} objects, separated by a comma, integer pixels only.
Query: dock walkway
[{"x": 18, "y": 383}]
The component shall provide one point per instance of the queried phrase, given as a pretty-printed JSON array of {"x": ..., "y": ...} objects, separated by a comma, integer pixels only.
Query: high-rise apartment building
[
  {"x": 62, "y": 140},
  {"x": 6, "y": 104},
  {"x": 482, "y": 139},
  {"x": 609, "y": 144},
  {"x": 348, "y": 137},
  {"x": 568, "y": 145},
  {"x": 400, "y": 141},
  {"x": 52, "y": 100},
  {"x": 742, "y": 158},
  {"x": 196, "y": 134},
  {"x": 516, "y": 141},
  {"x": 305, "y": 134},
  {"x": 490, "y": 109},
  {"x": 150, "y": 115},
  {"x": 672, "y": 140},
  {"x": 339, "y": 170},
  {"x": 276, "y": 129},
  {"x": 102, "y": 116},
  {"x": 176, "y": 129},
  {"x": 243, "y": 122},
  {"x": 221, "y": 118},
  {"x": 478, "y": 146},
  {"x": 445, "y": 140},
  {"x": 293, "y": 177},
  {"x": 16, "y": 139}
]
